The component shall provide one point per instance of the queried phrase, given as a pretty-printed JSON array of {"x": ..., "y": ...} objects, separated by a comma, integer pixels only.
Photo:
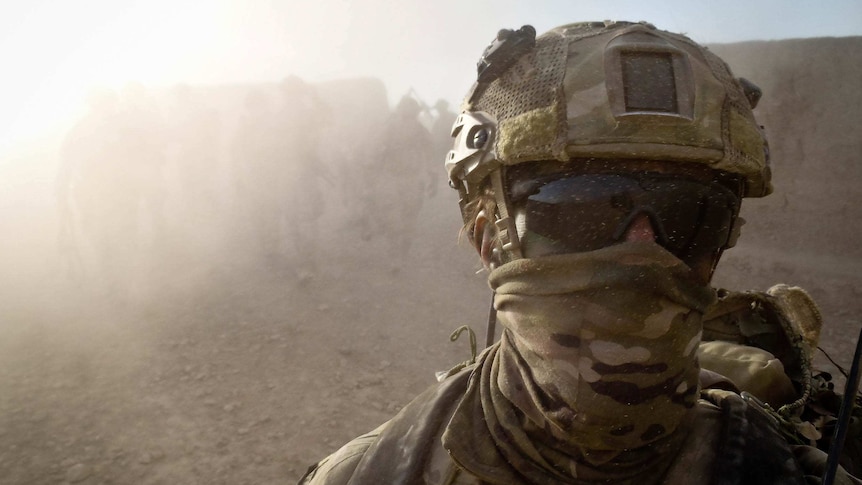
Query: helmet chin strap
[
  {"x": 508, "y": 247},
  {"x": 507, "y": 233}
]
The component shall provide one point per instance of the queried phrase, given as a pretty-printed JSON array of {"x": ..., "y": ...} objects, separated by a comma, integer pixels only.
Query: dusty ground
[
  {"x": 249, "y": 381},
  {"x": 226, "y": 370}
]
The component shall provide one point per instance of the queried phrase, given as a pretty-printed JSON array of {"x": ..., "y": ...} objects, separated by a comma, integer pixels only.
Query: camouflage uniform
[
  {"x": 411, "y": 448},
  {"x": 482, "y": 423},
  {"x": 596, "y": 378}
]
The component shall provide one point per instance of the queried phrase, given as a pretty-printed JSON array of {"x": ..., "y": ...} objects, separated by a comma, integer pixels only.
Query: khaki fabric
[
  {"x": 340, "y": 466},
  {"x": 751, "y": 369}
]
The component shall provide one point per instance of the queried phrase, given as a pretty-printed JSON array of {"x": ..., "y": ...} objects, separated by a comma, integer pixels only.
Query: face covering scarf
[{"x": 595, "y": 376}]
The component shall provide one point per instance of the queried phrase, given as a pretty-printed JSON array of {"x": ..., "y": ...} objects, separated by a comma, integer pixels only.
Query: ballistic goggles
[{"x": 584, "y": 212}]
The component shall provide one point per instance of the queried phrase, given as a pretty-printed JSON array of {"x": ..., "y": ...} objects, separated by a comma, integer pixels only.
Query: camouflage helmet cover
[{"x": 612, "y": 90}]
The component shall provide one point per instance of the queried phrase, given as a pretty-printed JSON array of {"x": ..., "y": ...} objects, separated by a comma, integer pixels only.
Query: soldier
[
  {"x": 401, "y": 166},
  {"x": 255, "y": 162},
  {"x": 441, "y": 131},
  {"x": 144, "y": 135},
  {"x": 442, "y": 126},
  {"x": 299, "y": 199},
  {"x": 600, "y": 169},
  {"x": 193, "y": 138},
  {"x": 98, "y": 197}
]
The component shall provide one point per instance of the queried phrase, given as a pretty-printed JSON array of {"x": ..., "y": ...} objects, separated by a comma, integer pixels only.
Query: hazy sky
[{"x": 53, "y": 51}]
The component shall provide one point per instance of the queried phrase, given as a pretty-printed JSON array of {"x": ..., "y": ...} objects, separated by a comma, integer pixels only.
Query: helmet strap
[{"x": 506, "y": 230}]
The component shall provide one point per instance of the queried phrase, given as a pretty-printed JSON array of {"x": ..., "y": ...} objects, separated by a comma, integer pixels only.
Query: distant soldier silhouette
[
  {"x": 441, "y": 132},
  {"x": 194, "y": 137},
  {"x": 299, "y": 172},
  {"x": 363, "y": 110},
  {"x": 144, "y": 136},
  {"x": 401, "y": 177},
  {"x": 252, "y": 142},
  {"x": 98, "y": 196},
  {"x": 254, "y": 163}
]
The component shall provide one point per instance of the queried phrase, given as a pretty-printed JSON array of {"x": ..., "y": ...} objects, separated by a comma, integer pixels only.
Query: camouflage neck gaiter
[{"x": 598, "y": 351}]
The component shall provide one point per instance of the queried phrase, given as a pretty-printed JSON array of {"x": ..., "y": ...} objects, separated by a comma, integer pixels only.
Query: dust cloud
[
  {"x": 223, "y": 283},
  {"x": 224, "y": 210}
]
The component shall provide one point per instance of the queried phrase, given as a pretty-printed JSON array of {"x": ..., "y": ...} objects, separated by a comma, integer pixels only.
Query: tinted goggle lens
[{"x": 588, "y": 212}]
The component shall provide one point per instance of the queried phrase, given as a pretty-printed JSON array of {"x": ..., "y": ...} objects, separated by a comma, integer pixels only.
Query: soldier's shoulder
[
  {"x": 338, "y": 467},
  {"x": 412, "y": 431}
]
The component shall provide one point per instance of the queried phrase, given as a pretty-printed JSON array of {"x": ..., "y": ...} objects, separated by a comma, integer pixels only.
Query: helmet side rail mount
[
  {"x": 473, "y": 160},
  {"x": 501, "y": 53}
]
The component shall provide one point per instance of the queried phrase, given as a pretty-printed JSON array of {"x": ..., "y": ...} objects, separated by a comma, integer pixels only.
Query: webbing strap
[{"x": 506, "y": 230}]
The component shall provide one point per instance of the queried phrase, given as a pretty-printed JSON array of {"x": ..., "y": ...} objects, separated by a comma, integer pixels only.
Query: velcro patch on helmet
[{"x": 529, "y": 134}]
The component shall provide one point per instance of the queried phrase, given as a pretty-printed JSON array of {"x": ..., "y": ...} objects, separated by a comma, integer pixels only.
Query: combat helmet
[{"x": 604, "y": 91}]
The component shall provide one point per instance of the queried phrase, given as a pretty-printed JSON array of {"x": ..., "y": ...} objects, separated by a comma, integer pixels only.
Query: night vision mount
[{"x": 501, "y": 53}]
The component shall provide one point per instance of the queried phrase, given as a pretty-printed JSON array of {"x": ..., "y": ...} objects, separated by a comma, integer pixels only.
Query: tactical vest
[{"x": 764, "y": 342}]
